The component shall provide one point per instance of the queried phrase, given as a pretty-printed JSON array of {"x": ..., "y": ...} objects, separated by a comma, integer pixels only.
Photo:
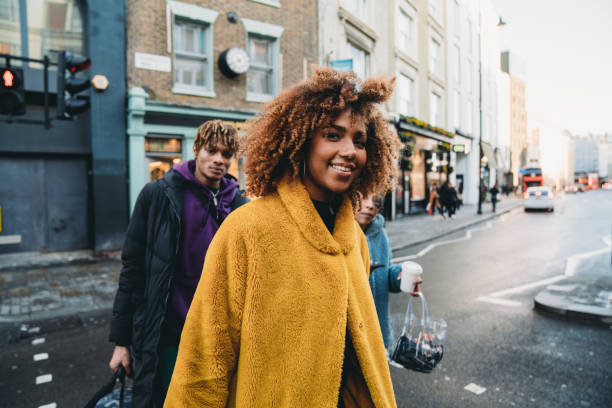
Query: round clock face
[{"x": 237, "y": 60}]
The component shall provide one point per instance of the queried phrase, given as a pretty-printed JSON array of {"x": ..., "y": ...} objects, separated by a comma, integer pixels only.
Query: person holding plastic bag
[
  {"x": 384, "y": 276},
  {"x": 282, "y": 316}
]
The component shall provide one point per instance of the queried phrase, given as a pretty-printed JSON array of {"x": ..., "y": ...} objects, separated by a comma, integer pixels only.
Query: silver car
[{"x": 538, "y": 198}]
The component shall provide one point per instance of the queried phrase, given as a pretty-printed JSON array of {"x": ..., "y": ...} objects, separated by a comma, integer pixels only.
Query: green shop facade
[{"x": 161, "y": 135}]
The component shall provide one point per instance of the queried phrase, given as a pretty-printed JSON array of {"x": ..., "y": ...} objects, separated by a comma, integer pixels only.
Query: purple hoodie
[{"x": 198, "y": 227}]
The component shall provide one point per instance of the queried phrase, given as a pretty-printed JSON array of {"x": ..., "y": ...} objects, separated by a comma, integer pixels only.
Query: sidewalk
[
  {"x": 418, "y": 229},
  {"x": 585, "y": 295}
]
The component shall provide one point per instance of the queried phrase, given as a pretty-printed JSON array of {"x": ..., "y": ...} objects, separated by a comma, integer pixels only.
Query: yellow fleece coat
[{"x": 267, "y": 324}]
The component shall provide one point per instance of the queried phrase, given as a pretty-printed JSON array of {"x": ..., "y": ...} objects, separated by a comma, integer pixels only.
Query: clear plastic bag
[{"x": 418, "y": 346}]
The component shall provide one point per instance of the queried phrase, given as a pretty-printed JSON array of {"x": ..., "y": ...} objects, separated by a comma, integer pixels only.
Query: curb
[
  {"x": 88, "y": 258},
  {"x": 457, "y": 229},
  {"x": 580, "y": 316}
]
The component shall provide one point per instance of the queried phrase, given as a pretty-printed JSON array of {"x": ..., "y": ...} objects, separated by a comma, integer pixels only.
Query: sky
[{"x": 567, "y": 49}]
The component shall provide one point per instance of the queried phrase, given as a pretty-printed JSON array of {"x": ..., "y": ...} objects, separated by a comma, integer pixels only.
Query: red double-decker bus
[{"x": 531, "y": 176}]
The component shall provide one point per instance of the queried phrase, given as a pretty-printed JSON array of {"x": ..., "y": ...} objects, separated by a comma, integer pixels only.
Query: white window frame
[
  {"x": 457, "y": 18},
  {"x": 469, "y": 123},
  {"x": 271, "y": 32},
  {"x": 362, "y": 8},
  {"x": 206, "y": 18},
  {"x": 435, "y": 59},
  {"x": 457, "y": 109},
  {"x": 435, "y": 115},
  {"x": 272, "y": 3},
  {"x": 411, "y": 111},
  {"x": 435, "y": 9},
  {"x": 367, "y": 58},
  {"x": 457, "y": 62},
  {"x": 408, "y": 48}
]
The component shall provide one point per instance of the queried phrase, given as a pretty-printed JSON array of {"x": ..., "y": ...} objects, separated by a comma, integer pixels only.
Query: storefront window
[
  {"x": 163, "y": 152},
  {"x": 10, "y": 36},
  {"x": 54, "y": 25}
]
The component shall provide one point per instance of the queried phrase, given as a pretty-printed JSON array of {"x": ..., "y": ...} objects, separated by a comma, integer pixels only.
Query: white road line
[
  {"x": 468, "y": 235},
  {"x": 34, "y": 330},
  {"x": 41, "y": 356},
  {"x": 38, "y": 341},
  {"x": 499, "y": 301},
  {"x": 51, "y": 405},
  {"x": 475, "y": 388},
  {"x": 45, "y": 378},
  {"x": 522, "y": 288},
  {"x": 573, "y": 261}
]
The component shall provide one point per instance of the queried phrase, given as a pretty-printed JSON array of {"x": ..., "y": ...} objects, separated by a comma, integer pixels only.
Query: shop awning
[{"x": 489, "y": 153}]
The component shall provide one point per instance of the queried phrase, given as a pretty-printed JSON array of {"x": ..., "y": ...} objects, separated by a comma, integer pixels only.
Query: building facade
[
  {"x": 64, "y": 187},
  {"x": 179, "y": 71},
  {"x": 514, "y": 70}
]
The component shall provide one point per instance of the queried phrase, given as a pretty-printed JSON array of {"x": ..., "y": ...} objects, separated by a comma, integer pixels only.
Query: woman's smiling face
[{"x": 336, "y": 156}]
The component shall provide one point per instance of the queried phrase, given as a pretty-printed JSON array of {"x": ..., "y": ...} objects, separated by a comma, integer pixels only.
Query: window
[
  {"x": 10, "y": 35},
  {"x": 456, "y": 109},
  {"x": 263, "y": 77},
  {"x": 358, "y": 8},
  {"x": 457, "y": 15},
  {"x": 361, "y": 61},
  {"x": 434, "y": 8},
  {"x": 457, "y": 58},
  {"x": 470, "y": 40},
  {"x": 260, "y": 78},
  {"x": 469, "y": 124},
  {"x": 192, "y": 49},
  {"x": 54, "y": 26},
  {"x": 468, "y": 77},
  {"x": 191, "y": 55},
  {"x": 405, "y": 29},
  {"x": 273, "y": 3},
  {"x": 406, "y": 105},
  {"x": 434, "y": 57},
  {"x": 435, "y": 109}
]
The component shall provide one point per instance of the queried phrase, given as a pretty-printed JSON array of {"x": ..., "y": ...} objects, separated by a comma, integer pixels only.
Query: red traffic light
[
  {"x": 8, "y": 77},
  {"x": 75, "y": 64}
]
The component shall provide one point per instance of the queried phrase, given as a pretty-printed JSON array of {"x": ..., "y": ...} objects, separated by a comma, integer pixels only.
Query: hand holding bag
[{"x": 418, "y": 347}]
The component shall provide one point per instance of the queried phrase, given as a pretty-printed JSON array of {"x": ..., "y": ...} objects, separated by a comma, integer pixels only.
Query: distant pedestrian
[
  {"x": 384, "y": 276},
  {"x": 283, "y": 315},
  {"x": 173, "y": 223},
  {"x": 447, "y": 199},
  {"x": 494, "y": 192},
  {"x": 434, "y": 201}
]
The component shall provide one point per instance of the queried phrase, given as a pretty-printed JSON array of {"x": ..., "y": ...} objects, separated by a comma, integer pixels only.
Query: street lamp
[{"x": 500, "y": 23}]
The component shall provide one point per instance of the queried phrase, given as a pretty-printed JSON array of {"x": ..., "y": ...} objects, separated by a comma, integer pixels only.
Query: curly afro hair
[{"x": 278, "y": 139}]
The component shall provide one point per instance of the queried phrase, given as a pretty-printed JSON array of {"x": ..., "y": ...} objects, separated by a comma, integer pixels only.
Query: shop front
[
  {"x": 425, "y": 162},
  {"x": 161, "y": 135}
]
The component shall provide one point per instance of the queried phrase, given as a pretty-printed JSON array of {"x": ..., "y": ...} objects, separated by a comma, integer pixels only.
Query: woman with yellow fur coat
[{"x": 283, "y": 315}]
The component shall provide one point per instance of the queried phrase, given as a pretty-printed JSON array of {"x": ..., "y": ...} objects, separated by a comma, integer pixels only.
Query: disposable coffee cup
[{"x": 410, "y": 272}]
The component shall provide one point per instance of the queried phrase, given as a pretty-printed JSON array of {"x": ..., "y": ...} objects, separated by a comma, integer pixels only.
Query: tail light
[{"x": 525, "y": 195}]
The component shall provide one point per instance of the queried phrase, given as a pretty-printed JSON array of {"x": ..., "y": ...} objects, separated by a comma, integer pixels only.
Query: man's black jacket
[{"x": 150, "y": 256}]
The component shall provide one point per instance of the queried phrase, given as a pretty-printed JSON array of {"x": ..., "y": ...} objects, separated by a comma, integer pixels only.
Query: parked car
[
  {"x": 538, "y": 198},
  {"x": 581, "y": 188},
  {"x": 571, "y": 189},
  {"x": 607, "y": 186}
]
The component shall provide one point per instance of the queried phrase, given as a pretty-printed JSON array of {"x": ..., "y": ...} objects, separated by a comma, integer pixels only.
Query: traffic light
[
  {"x": 68, "y": 102},
  {"x": 12, "y": 95}
]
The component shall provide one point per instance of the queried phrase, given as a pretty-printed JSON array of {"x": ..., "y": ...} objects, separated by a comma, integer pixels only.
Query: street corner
[{"x": 584, "y": 300}]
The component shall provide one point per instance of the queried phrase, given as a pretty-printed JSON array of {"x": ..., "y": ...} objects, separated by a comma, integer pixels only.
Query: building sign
[
  {"x": 342, "y": 65},
  {"x": 163, "y": 145},
  {"x": 459, "y": 148},
  {"x": 152, "y": 62}
]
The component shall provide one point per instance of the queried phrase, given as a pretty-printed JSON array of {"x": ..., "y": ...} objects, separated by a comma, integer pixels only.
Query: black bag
[
  {"x": 108, "y": 397},
  {"x": 417, "y": 347}
]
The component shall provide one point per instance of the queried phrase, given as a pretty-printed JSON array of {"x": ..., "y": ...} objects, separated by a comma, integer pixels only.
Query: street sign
[{"x": 342, "y": 65}]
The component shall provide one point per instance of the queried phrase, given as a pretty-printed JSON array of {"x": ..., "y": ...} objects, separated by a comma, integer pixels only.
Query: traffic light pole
[{"x": 46, "y": 63}]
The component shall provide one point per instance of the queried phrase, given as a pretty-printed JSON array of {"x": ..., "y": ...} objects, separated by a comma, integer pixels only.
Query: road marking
[
  {"x": 34, "y": 330},
  {"x": 475, "y": 388},
  {"x": 45, "y": 378},
  {"x": 468, "y": 235},
  {"x": 498, "y": 301},
  {"x": 51, "y": 405},
  {"x": 38, "y": 341},
  {"x": 41, "y": 356},
  {"x": 522, "y": 288},
  {"x": 573, "y": 261}
]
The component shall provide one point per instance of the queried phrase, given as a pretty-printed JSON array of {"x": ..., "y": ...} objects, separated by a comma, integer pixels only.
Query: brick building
[{"x": 175, "y": 78}]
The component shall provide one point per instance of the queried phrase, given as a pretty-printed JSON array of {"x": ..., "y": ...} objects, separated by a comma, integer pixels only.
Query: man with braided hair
[{"x": 173, "y": 223}]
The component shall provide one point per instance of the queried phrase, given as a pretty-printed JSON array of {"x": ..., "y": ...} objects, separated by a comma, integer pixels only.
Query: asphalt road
[{"x": 521, "y": 357}]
